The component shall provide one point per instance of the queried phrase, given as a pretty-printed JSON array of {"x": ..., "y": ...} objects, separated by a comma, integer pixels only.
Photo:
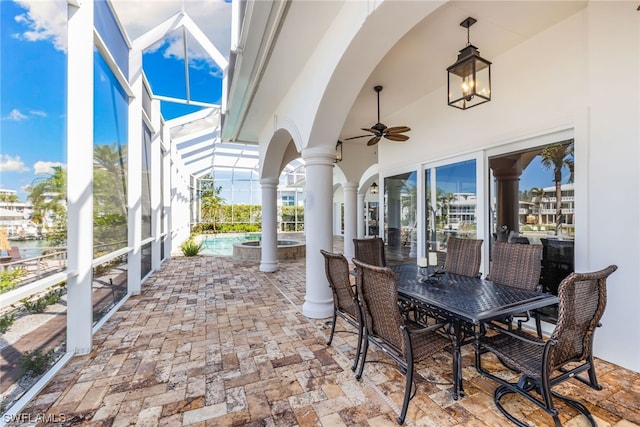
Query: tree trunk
[{"x": 558, "y": 179}]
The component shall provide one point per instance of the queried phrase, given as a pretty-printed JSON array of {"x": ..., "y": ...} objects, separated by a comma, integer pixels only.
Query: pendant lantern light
[{"x": 469, "y": 79}]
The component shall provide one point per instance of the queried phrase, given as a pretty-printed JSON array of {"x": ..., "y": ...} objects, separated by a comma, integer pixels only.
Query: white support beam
[
  {"x": 80, "y": 175},
  {"x": 206, "y": 44},
  {"x": 157, "y": 32},
  {"x": 134, "y": 175}
]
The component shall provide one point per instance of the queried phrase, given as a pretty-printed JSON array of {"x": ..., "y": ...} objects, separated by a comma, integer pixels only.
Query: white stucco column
[
  {"x": 360, "y": 215},
  {"x": 350, "y": 217},
  {"x": 319, "y": 162},
  {"x": 269, "y": 252}
]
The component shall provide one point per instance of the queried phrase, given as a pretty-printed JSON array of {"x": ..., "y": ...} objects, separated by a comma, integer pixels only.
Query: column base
[
  {"x": 269, "y": 267},
  {"x": 318, "y": 310}
]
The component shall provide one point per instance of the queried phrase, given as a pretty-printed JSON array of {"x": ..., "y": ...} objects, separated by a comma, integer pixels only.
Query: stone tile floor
[{"x": 213, "y": 342}]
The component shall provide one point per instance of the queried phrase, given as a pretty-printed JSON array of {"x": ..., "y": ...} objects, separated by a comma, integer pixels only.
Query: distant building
[
  {"x": 542, "y": 209},
  {"x": 15, "y": 217}
]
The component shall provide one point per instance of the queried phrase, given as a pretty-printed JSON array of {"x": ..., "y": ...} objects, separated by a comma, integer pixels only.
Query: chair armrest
[
  {"x": 423, "y": 330},
  {"x": 519, "y": 337}
]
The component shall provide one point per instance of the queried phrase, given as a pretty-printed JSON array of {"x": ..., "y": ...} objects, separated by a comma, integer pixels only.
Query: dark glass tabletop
[{"x": 470, "y": 299}]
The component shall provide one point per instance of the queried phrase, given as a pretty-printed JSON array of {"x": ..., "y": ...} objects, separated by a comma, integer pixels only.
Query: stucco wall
[{"x": 568, "y": 77}]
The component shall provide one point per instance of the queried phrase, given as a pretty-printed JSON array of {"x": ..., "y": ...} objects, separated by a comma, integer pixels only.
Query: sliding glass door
[
  {"x": 400, "y": 217},
  {"x": 450, "y": 206}
]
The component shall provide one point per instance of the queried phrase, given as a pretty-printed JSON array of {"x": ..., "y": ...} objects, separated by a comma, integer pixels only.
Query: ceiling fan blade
[
  {"x": 354, "y": 137},
  {"x": 372, "y": 130},
  {"x": 397, "y": 137},
  {"x": 373, "y": 141},
  {"x": 398, "y": 129}
]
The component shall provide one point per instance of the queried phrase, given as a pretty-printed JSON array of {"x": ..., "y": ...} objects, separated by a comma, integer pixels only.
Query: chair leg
[
  {"x": 358, "y": 349},
  {"x": 593, "y": 380},
  {"x": 499, "y": 393},
  {"x": 536, "y": 316},
  {"x": 333, "y": 327},
  {"x": 407, "y": 392},
  {"x": 364, "y": 356},
  {"x": 575, "y": 405}
]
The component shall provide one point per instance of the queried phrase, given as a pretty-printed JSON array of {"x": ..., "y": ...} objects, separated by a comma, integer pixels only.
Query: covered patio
[
  {"x": 212, "y": 342},
  {"x": 216, "y": 341}
]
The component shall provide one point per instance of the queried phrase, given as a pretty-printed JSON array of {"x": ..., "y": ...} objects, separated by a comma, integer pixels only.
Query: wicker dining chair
[
  {"x": 519, "y": 266},
  {"x": 370, "y": 251},
  {"x": 344, "y": 300},
  {"x": 403, "y": 340},
  {"x": 463, "y": 256},
  {"x": 567, "y": 353}
]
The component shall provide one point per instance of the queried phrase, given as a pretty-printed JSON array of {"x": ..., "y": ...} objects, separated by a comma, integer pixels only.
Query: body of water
[
  {"x": 223, "y": 245},
  {"x": 29, "y": 248}
]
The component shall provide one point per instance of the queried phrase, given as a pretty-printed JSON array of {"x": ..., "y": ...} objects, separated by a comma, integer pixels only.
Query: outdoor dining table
[{"x": 464, "y": 302}]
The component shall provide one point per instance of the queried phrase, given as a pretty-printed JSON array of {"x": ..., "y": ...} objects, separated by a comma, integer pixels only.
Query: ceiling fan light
[{"x": 380, "y": 130}]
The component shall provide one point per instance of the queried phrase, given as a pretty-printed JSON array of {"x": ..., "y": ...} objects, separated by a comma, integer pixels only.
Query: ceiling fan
[{"x": 380, "y": 130}]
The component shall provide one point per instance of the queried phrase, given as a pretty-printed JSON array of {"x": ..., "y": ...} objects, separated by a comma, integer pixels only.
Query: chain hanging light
[
  {"x": 469, "y": 79},
  {"x": 374, "y": 188}
]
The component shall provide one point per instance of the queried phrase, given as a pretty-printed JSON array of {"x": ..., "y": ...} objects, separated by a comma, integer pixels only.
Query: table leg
[{"x": 456, "y": 355}]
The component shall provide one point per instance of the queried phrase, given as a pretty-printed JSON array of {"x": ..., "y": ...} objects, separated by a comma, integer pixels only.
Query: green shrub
[
  {"x": 238, "y": 228},
  {"x": 41, "y": 304},
  {"x": 225, "y": 227},
  {"x": 36, "y": 362},
  {"x": 37, "y": 306},
  {"x": 9, "y": 279},
  {"x": 6, "y": 321},
  {"x": 191, "y": 248}
]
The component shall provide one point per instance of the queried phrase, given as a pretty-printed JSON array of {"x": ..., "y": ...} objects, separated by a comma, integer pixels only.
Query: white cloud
[
  {"x": 45, "y": 20},
  {"x": 15, "y": 115},
  {"x": 38, "y": 113},
  {"x": 209, "y": 123},
  {"x": 216, "y": 72},
  {"x": 213, "y": 17},
  {"x": 12, "y": 164},
  {"x": 45, "y": 167}
]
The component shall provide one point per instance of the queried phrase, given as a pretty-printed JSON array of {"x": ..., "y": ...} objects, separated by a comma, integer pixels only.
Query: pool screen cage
[{"x": 228, "y": 198}]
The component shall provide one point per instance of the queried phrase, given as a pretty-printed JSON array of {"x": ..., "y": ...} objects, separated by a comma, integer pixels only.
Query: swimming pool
[{"x": 223, "y": 245}]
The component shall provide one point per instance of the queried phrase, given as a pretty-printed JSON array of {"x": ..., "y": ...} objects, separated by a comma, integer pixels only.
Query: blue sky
[
  {"x": 33, "y": 76},
  {"x": 32, "y": 106},
  {"x": 33, "y": 80}
]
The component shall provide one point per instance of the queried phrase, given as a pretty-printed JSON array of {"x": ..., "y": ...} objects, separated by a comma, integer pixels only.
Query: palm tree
[
  {"x": 536, "y": 196},
  {"x": 110, "y": 177},
  {"x": 211, "y": 200},
  {"x": 556, "y": 157},
  {"x": 54, "y": 186},
  {"x": 8, "y": 198}
]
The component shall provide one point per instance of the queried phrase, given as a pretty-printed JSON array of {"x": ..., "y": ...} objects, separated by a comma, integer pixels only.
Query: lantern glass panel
[{"x": 469, "y": 82}]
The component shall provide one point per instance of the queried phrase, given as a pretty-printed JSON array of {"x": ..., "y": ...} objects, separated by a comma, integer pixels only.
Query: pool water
[{"x": 223, "y": 245}]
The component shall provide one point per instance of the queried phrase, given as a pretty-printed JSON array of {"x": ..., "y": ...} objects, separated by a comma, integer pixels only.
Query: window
[
  {"x": 400, "y": 219},
  {"x": 451, "y": 206},
  {"x": 532, "y": 201},
  {"x": 110, "y": 160}
]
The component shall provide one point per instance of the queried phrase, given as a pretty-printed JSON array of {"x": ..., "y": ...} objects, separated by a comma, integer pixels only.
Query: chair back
[
  {"x": 377, "y": 290},
  {"x": 463, "y": 256},
  {"x": 336, "y": 268},
  {"x": 370, "y": 251},
  {"x": 583, "y": 297},
  {"x": 516, "y": 265}
]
